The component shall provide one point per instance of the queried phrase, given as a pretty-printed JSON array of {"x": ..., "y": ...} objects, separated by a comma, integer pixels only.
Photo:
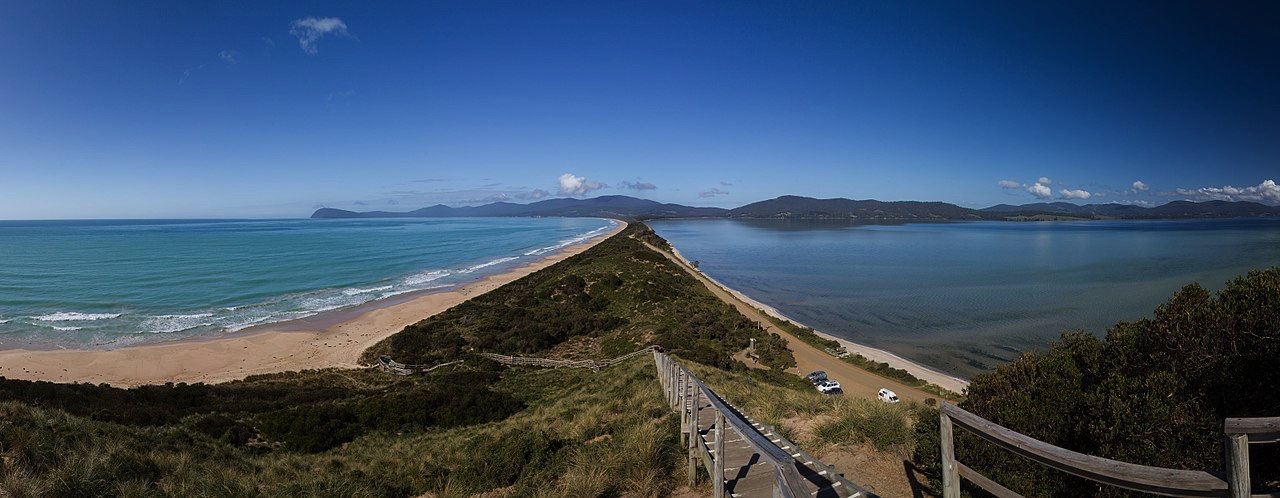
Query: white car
[
  {"x": 887, "y": 396},
  {"x": 829, "y": 387}
]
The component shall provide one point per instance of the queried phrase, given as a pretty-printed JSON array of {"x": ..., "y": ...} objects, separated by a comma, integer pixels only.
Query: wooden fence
[
  {"x": 595, "y": 365},
  {"x": 391, "y": 366},
  {"x": 689, "y": 396},
  {"x": 1155, "y": 480},
  {"x": 386, "y": 364}
]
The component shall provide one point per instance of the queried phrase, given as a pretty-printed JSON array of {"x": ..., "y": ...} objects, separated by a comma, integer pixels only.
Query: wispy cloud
[
  {"x": 1009, "y": 184},
  {"x": 707, "y": 194},
  {"x": 1267, "y": 191},
  {"x": 573, "y": 185},
  {"x": 637, "y": 185},
  {"x": 725, "y": 184},
  {"x": 187, "y": 74},
  {"x": 339, "y": 95},
  {"x": 229, "y": 56},
  {"x": 310, "y": 30}
]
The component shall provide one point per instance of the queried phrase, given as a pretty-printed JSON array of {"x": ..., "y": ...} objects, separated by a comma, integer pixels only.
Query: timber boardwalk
[{"x": 743, "y": 458}]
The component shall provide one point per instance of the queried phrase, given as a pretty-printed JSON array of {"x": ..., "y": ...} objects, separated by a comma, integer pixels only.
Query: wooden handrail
[
  {"x": 1259, "y": 430},
  {"x": 788, "y": 481},
  {"x": 1170, "y": 482},
  {"x": 758, "y": 441}
]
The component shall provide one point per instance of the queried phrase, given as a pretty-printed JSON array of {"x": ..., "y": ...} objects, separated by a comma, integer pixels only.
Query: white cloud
[
  {"x": 1267, "y": 191},
  {"x": 310, "y": 30},
  {"x": 725, "y": 184},
  {"x": 1008, "y": 184},
  {"x": 712, "y": 193},
  {"x": 1044, "y": 180},
  {"x": 1139, "y": 186},
  {"x": 637, "y": 185},
  {"x": 187, "y": 74},
  {"x": 571, "y": 184},
  {"x": 229, "y": 56},
  {"x": 1040, "y": 190},
  {"x": 1074, "y": 194}
]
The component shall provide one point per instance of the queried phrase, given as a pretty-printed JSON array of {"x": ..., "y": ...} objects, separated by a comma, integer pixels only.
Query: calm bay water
[
  {"x": 961, "y": 297},
  {"x": 113, "y": 283}
]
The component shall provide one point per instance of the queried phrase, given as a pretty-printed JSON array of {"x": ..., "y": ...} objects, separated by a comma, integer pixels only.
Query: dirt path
[{"x": 855, "y": 381}]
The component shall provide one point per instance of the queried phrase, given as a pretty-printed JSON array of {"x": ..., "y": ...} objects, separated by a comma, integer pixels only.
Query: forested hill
[
  {"x": 790, "y": 206},
  {"x": 1171, "y": 210},
  {"x": 606, "y": 206},
  {"x": 797, "y": 207}
]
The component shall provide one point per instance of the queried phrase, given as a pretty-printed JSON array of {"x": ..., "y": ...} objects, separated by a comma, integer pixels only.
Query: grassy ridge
[{"x": 611, "y": 299}]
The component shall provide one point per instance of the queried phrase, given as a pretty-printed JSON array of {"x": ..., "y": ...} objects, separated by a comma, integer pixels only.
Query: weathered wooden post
[
  {"x": 693, "y": 436},
  {"x": 718, "y": 458},
  {"x": 950, "y": 473},
  {"x": 684, "y": 407},
  {"x": 1238, "y": 465},
  {"x": 672, "y": 381}
]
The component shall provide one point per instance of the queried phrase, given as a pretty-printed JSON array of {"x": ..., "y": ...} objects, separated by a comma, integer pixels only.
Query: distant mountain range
[
  {"x": 796, "y": 207},
  {"x": 605, "y": 206},
  {"x": 1171, "y": 210}
]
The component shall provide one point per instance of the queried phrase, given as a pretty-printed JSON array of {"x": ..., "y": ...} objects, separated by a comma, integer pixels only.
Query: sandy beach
[
  {"x": 315, "y": 342},
  {"x": 929, "y": 375}
]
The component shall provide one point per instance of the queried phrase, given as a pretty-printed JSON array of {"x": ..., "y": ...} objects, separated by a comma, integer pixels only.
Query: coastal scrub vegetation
[
  {"x": 475, "y": 427},
  {"x": 619, "y": 291},
  {"x": 1153, "y": 391}
]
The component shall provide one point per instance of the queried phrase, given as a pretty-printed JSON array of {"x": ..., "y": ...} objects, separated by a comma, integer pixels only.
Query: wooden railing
[
  {"x": 684, "y": 390},
  {"x": 391, "y": 366},
  {"x": 386, "y": 364},
  {"x": 1241, "y": 432},
  {"x": 1155, "y": 480},
  {"x": 557, "y": 363}
]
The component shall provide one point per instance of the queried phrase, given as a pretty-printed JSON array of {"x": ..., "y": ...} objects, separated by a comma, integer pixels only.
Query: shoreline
[
  {"x": 927, "y": 374},
  {"x": 328, "y": 339}
]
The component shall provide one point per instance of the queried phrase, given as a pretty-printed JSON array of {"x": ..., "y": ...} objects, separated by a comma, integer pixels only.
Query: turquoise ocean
[
  {"x": 963, "y": 297},
  {"x": 104, "y": 283}
]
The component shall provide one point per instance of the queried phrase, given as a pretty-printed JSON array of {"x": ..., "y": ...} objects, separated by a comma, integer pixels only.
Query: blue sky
[{"x": 267, "y": 109}]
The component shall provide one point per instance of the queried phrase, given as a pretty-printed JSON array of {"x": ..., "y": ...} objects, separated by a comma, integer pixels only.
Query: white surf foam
[
  {"x": 64, "y": 329},
  {"x": 165, "y": 324},
  {"x": 72, "y": 316},
  {"x": 426, "y": 276},
  {"x": 583, "y": 237},
  {"x": 357, "y": 291},
  {"x": 488, "y": 264},
  {"x": 405, "y": 291}
]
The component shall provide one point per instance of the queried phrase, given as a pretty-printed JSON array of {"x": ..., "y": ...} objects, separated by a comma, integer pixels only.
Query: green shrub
[{"x": 1153, "y": 392}]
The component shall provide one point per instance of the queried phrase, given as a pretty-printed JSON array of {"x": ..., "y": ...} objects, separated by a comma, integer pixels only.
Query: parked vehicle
[
  {"x": 830, "y": 387},
  {"x": 887, "y": 396},
  {"x": 816, "y": 377}
]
